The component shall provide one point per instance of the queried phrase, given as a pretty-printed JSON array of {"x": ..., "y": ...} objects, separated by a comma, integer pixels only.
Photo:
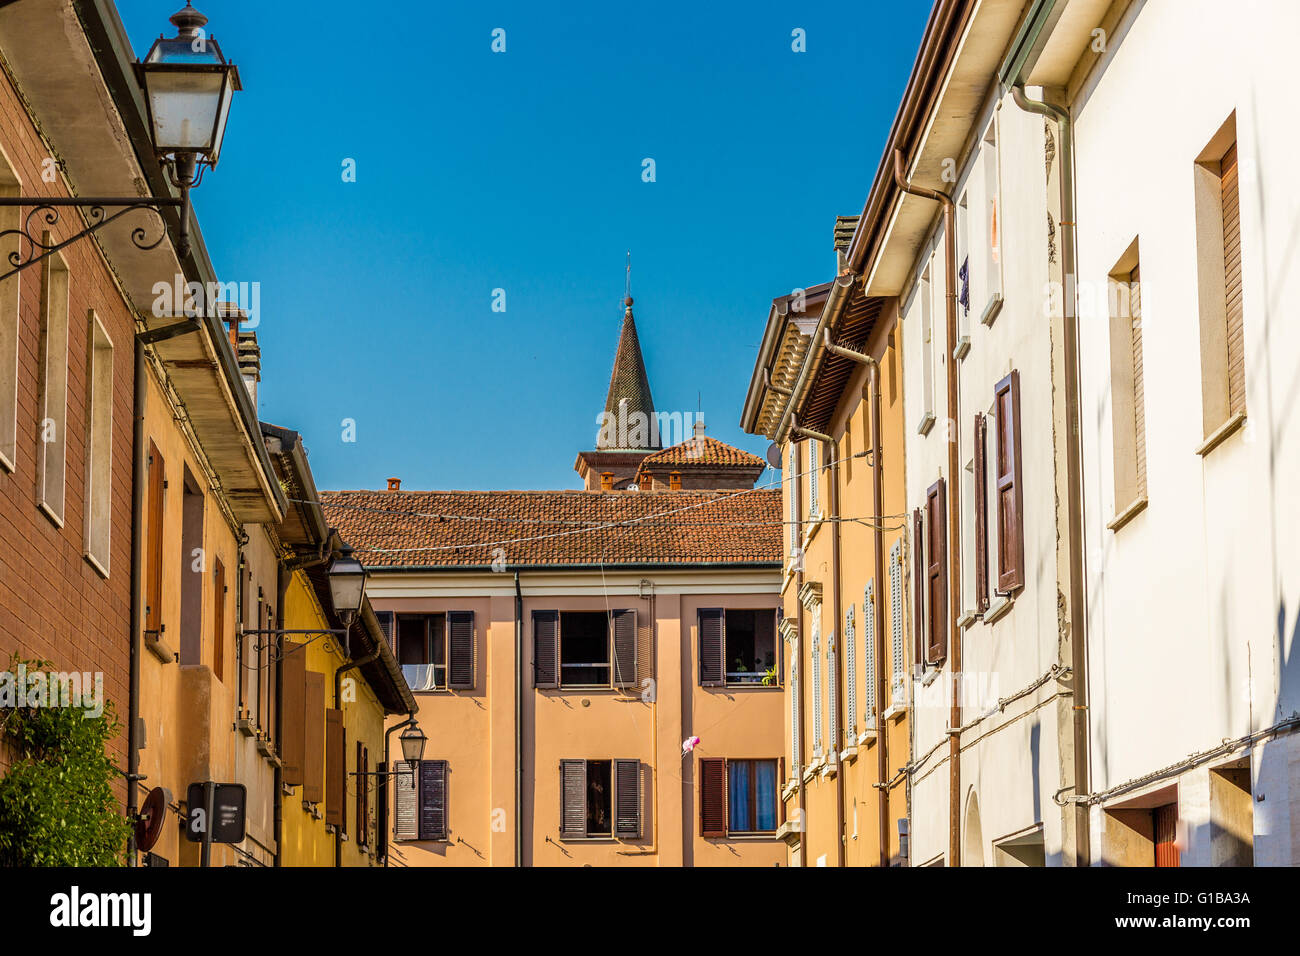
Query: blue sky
[{"x": 522, "y": 171}]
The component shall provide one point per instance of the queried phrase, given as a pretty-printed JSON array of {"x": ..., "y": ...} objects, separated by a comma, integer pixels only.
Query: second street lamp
[
  {"x": 413, "y": 741},
  {"x": 347, "y": 585}
]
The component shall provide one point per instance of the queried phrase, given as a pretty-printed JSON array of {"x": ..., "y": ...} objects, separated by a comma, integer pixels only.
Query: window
[
  {"x": 815, "y": 652},
  {"x": 585, "y": 648},
  {"x": 980, "y": 513},
  {"x": 738, "y": 647},
  {"x": 869, "y": 687},
  {"x": 363, "y": 795},
  {"x": 927, "y": 352},
  {"x": 738, "y": 797},
  {"x": 1165, "y": 820},
  {"x": 436, "y": 651},
  {"x": 1009, "y": 490},
  {"x": 52, "y": 445},
  {"x": 1127, "y": 391},
  {"x": 192, "y": 570},
  {"x": 792, "y": 479},
  {"x": 421, "y": 808},
  {"x": 936, "y": 516},
  {"x": 600, "y": 798},
  {"x": 99, "y": 446},
  {"x": 992, "y": 251},
  {"x": 918, "y": 590},
  {"x": 10, "y": 220},
  {"x": 897, "y": 686},
  {"x": 962, "y": 345},
  {"x": 1219, "y": 286},
  {"x": 153, "y": 531},
  {"x": 795, "y": 756}
]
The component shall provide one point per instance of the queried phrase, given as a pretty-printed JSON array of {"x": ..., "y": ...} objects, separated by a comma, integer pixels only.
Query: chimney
[
  {"x": 699, "y": 427},
  {"x": 675, "y": 481},
  {"x": 606, "y": 481},
  {"x": 394, "y": 484},
  {"x": 248, "y": 353}
]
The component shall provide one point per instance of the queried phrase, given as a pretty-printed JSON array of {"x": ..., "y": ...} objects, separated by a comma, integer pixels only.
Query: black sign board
[{"x": 228, "y": 806}]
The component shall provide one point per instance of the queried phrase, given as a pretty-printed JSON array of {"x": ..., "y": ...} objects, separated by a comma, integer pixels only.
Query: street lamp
[
  {"x": 413, "y": 741},
  {"x": 347, "y": 584},
  {"x": 188, "y": 87}
]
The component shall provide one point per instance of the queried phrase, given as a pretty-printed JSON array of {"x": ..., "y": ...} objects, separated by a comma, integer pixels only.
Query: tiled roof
[
  {"x": 430, "y": 529},
  {"x": 628, "y": 381},
  {"x": 704, "y": 451},
  {"x": 845, "y": 226}
]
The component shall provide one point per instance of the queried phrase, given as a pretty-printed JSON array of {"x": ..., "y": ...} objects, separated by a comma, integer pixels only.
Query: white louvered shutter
[
  {"x": 832, "y": 695},
  {"x": 816, "y": 657},
  {"x": 896, "y": 620},
  {"x": 850, "y": 678},
  {"x": 814, "y": 466},
  {"x": 406, "y": 823},
  {"x": 794, "y": 715},
  {"x": 869, "y": 655}
]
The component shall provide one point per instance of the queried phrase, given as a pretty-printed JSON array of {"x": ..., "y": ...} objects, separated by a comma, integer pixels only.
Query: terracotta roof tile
[
  {"x": 556, "y": 528},
  {"x": 704, "y": 450}
]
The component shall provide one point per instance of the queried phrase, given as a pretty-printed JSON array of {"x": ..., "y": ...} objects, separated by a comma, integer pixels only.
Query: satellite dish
[
  {"x": 774, "y": 455},
  {"x": 149, "y": 822}
]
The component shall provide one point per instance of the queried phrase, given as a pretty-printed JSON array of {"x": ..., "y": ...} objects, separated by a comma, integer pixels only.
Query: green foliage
[
  {"x": 56, "y": 802},
  {"x": 769, "y": 677}
]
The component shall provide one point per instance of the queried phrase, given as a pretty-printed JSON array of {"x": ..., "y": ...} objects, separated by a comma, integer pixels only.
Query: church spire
[{"x": 629, "y": 392}]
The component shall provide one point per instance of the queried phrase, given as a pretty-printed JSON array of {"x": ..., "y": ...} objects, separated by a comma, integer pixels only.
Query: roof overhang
[{"x": 791, "y": 320}]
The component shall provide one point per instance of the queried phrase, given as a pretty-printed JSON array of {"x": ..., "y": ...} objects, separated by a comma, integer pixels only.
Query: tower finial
[{"x": 627, "y": 286}]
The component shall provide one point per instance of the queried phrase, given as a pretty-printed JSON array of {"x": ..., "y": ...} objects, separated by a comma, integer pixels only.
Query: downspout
[
  {"x": 837, "y": 603},
  {"x": 798, "y": 652},
  {"x": 519, "y": 727},
  {"x": 281, "y": 588},
  {"x": 137, "y": 558},
  {"x": 954, "y": 504},
  {"x": 388, "y": 769},
  {"x": 1074, "y": 483}
]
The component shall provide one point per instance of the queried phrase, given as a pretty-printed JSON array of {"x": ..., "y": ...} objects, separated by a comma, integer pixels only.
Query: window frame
[{"x": 98, "y": 466}]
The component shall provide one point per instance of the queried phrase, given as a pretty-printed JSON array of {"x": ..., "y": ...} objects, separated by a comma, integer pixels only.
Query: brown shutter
[
  {"x": 627, "y": 798},
  {"x": 313, "y": 761},
  {"x": 460, "y": 649},
  {"x": 363, "y": 785},
  {"x": 981, "y": 515},
  {"x": 406, "y": 813},
  {"x": 573, "y": 798},
  {"x": 335, "y": 758},
  {"x": 713, "y": 635},
  {"x": 645, "y": 652},
  {"x": 219, "y": 620},
  {"x": 546, "y": 648},
  {"x": 154, "y": 542},
  {"x": 1139, "y": 387},
  {"x": 622, "y": 626},
  {"x": 713, "y": 797},
  {"x": 360, "y": 808},
  {"x": 936, "y": 516},
  {"x": 388, "y": 624},
  {"x": 918, "y": 590},
  {"x": 294, "y": 701},
  {"x": 1232, "y": 281},
  {"x": 1011, "y": 537},
  {"x": 433, "y": 799}
]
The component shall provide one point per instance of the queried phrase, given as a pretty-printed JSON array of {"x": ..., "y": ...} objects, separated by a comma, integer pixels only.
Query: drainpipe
[
  {"x": 798, "y": 651},
  {"x": 1074, "y": 483},
  {"x": 388, "y": 769},
  {"x": 954, "y": 504},
  {"x": 281, "y": 588},
  {"x": 519, "y": 727},
  {"x": 137, "y": 560},
  {"x": 837, "y": 603}
]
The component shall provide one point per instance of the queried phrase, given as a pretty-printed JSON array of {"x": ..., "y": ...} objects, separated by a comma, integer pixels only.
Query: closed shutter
[
  {"x": 832, "y": 696},
  {"x": 363, "y": 785},
  {"x": 1139, "y": 388},
  {"x": 795, "y": 756},
  {"x": 219, "y": 620},
  {"x": 918, "y": 590},
  {"x": 792, "y": 476},
  {"x": 1010, "y": 491},
  {"x": 936, "y": 516},
  {"x": 154, "y": 543},
  {"x": 814, "y": 466},
  {"x": 573, "y": 798},
  {"x": 627, "y": 798},
  {"x": 850, "y": 677},
  {"x": 713, "y": 635},
  {"x": 313, "y": 761},
  {"x": 815, "y": 656},
  {"x": 980, "y": 466},
  {"x": 433, "y": 800},
  {"x": 335, "y": 770},
  {"x": 293, "y": 689},
  {"x": 360, "y": 808},
  {"x": 645, "y": 652},
  {"x": 622, "y": 628},
  {"x": 869, "y": 688},
  {"x": 546, "y": 648},
  {"x": 1232, "y": 281},
  {"x": 713, "y": 797},
  {"x": 898, "y": 665},
  {"x": 388, "y": 625},
  {"x": 1165, "y": 825},
  {"x": 406, "y": 812},
  {"x": 460, "y": 649}
]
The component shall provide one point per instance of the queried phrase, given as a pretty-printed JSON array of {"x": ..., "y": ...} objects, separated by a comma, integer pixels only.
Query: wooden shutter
[
  {"x": 622, "y": 628},
  {"x": 713, "y": 636},
  {"x": 546, "y": 648},
  {"x": 219, "y": 620},
  {"x": 388, "y": 624},
  {"x": 1011, "y": 536},
  {"x": 154, "y": 542},
  {"x": 433, "y": 800},
  {"x": 1165, "y": 825},
  {"x": 627, "y": 798},
  {"x": 293, "y": 687},
  {"x": 573, "y": 798},
  {"x": 936, "y": 516},
  {"x": 1232, "y": 281},
  {"x": 645, "y": 651},
  {"x": 363, "y": 786},
  {"x": 335, "y": 767},
  {"x": 713, "y": 797},
  {"x": 980, "y": 465},
  {"x": 918, "y": 589},
  {"x": 313, "y": 760},
  {"x": 406, "y": 811},
  {"x": 360, "y": 809},
  {"x": 1139, "y": 387},
  {"x": 460, "y": 650}
]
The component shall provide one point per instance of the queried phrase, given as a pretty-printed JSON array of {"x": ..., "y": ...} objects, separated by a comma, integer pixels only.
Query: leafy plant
[
  {"x": 769, "y": 677},
  {"x": 56, "y": 801}
]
